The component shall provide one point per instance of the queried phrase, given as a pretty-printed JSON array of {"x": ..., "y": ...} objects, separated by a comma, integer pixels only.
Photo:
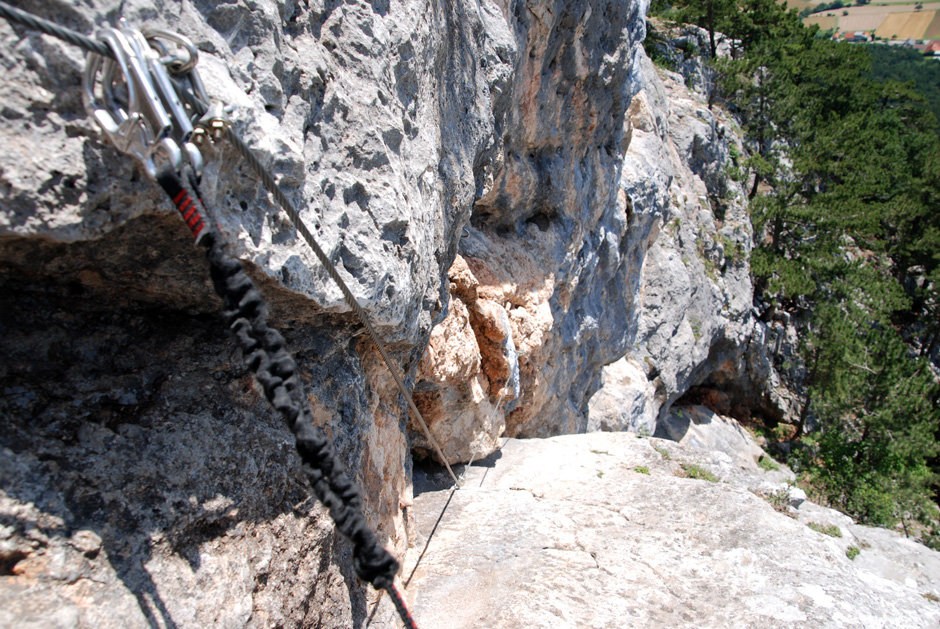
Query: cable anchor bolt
[{"x": 212, "y": 125}]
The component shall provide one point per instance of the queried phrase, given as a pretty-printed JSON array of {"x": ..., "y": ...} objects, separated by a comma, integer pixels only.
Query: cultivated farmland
[
  {"x": 901, "y": 18},
  {"x": 822, "y": 21},
  {"x": 799, "y": 5},
  {"x": 905, "y": 25},
  {"x": 933, "y": 31}
]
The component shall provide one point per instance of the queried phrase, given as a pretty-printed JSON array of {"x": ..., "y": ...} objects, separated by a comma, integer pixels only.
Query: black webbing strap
[
  {"x": 263, "y": 348},
  {"x": 245, "y": 313},
  {"x": 185, "y": 197}
]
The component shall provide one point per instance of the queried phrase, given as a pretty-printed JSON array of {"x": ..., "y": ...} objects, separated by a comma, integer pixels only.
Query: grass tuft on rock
[
  {"x": 766, "y": 463},
  {"x": 694, "y": 470},
  {"x": 831, "y": 529}
]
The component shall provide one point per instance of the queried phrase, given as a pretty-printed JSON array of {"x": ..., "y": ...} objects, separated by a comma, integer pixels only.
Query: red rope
[{"x": 399, "y": 603}]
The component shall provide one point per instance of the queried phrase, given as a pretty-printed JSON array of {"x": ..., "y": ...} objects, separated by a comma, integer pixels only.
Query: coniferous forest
[{"x": 843, "y": 173}]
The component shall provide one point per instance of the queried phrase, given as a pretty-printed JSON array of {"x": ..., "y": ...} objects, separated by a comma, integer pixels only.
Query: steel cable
[
  {"x": 51, "y": 28},
  {"x": 263, "y": 348}
]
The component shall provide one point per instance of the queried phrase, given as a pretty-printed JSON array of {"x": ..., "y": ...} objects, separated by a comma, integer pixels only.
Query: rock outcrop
[
  {"x": 514, "y": 193},
  {"x": 612, "y": 530},
  {"x": 652, "y": 284},
  {"x": 550, "y": 261},
  {"x": 139, "y": 462},
  {"x": 697, "y": 333},
  {"x": 641, "y": 258}
]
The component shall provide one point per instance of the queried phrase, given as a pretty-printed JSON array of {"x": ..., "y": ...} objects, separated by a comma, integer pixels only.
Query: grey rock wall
[
  {"x": 631, "y": 253},
  {"x": 694, "y": 292},
  {"x": 139, "y": 463},
  {"x": 554, "y": 246},
  {"x": 514, "y": 172},
  {"x": 557, "y": 197}
]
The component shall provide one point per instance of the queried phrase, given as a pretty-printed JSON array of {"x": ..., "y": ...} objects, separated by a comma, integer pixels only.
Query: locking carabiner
[
  {"x": 131, "y": 116},
  {"x": 139, "y": 109}
]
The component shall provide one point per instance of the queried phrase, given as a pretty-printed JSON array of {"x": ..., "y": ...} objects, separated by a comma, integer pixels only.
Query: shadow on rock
[{"x": 141, "y": 470}]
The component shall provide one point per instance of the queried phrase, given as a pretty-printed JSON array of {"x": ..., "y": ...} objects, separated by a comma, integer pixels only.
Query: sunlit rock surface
[{"x": 607, "y": 530}]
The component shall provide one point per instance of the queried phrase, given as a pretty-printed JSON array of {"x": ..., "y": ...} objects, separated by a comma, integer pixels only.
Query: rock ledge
[{"x": 570, "y": 532}]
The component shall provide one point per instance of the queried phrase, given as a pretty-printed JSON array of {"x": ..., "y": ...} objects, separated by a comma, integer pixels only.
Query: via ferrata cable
[
  {"x": 263, "y": 347},
  {"x": 267, "y": 179}
]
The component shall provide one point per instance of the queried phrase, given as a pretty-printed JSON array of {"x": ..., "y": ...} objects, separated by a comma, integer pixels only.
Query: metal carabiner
[
  {"x": 174, "y": 63},
  {"x": 136, "y": 122},
  {"x": 182, "y": 127}
]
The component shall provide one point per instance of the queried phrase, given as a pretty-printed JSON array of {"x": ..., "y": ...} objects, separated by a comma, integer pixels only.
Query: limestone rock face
[
  {"x": 547, "y": 236},
  {"x": 145, "y": 482},
  {"x": 126, "y": 415},
  {"x": 590, "y": 257},
  {"x": 512, "y": 191},
  {"x": 470, "y": 353},
  {"x": 549, "y": 266},
  {"x": 626, "y": 400},
  {"x": 597, "y": 530},
  {"x": 701, "y": 428},
  {"x": 696, "y": 325}
]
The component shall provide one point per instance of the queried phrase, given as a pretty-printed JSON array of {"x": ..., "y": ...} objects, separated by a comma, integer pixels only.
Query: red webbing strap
[{"x": 187, "y": 201}]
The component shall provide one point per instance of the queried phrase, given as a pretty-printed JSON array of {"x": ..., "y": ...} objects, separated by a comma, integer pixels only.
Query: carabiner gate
[{"x": 140, "y": 110}]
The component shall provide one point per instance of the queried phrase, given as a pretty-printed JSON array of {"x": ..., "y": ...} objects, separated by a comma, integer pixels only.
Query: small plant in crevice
[
  {"x": 655, "y": 46},
  {"x": 663, "y": 452},
  {"x": 711, "y": 268},
  {"x": 734, "y": 251},
  {"x": 852, "y": 552},
  {"x": 674, "y": 226},
  {"x": 696, "y": 471},
  {"x": 826, "y": 529},
  {"x": 642, "y": 469},
  {"x": 783, "y": 432},
  {"x": 766, "y": 463},
  {"x": 688, "y": 47},
  {"x": 779, "y": 500},
  {"x": 757, "y": 430}
]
